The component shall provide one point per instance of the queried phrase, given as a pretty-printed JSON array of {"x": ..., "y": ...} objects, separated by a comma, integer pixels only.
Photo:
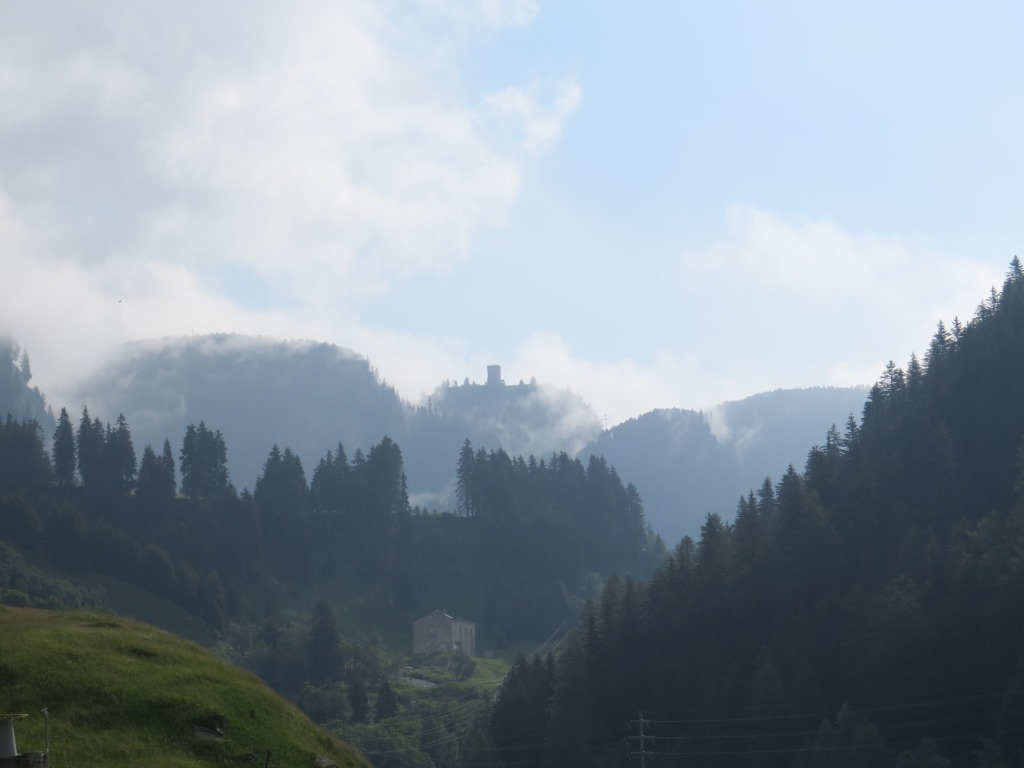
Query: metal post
[
  {"x": 642, "y": 752},
  {"x": 640, "y": 722},
  {"x": 46, "y": 719}
]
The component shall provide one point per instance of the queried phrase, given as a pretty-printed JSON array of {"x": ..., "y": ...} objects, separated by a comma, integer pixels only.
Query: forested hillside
[
  {"x": 689, "y": 463},
  {"x": 866, "y": 611},
  {"x": 311, "y": 396},
  {"x": 18, "y": 397},
  {"x": 313, "y": 584},
  {"x": 862, "y": 611},
  {"x": 532, "y": 535}
]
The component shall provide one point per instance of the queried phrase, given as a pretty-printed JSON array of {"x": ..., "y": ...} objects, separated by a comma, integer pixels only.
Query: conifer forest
[{"x": 865, "y": 608}]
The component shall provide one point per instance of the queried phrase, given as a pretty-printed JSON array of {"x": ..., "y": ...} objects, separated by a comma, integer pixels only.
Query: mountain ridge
[{"x": 312, "y": 396}]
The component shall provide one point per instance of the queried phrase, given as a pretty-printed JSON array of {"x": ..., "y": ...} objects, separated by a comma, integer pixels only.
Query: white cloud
[
  {"x": 837, "y": 304},
  {"x": 489, "y": 13},
  {"x": 617, "y": 390},
  {"x": 338, "y": 156},
  {"x": 541, "y": 114},
  {"x": 16, "y": 241},
  {"x": 800, "y": 255},
  {"x": 149, "y": 155},
  {"x": 511, "y": 13},
  {"x": 316, "y": 138},
  {"x": 804, "y": 257}
]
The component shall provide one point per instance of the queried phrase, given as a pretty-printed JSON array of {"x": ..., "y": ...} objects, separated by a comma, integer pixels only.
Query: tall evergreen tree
[
  {"x": 329, "y": 489},
  {"x": 358, "y": 700},
  {"x": 64, "y": 455},
  {"x": 167, "y": 464},
  {"x": 387, "y": 703},
  {"x": 281, "y": 498},
  {"x": 204, "y": 463},
  {"x": 24, "y": 461},
  {"x": 120, "y": 456},
  {"x": 92, "y": 451},
  {"x": 464, "y": 479},
  {"x": 156, "y": 481},
  {"x": 323, "y": 647}
]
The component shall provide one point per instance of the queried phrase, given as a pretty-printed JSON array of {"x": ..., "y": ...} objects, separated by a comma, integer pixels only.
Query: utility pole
[
  {"x": 639, "y": 722},
  {"x": 46, "y": 717}
]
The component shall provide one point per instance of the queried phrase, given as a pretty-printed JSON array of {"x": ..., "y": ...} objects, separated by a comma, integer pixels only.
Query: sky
[{"x": 654, "y": 204}]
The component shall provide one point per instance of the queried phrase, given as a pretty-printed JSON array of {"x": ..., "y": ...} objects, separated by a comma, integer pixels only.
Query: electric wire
[{"x": 600, "y": 738}]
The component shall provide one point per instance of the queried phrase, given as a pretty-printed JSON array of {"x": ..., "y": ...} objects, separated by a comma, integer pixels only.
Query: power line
[{"x": 642, "y": 739}]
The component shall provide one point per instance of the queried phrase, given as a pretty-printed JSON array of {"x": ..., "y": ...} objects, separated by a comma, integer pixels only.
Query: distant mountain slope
[
  {"x": 120, "y": 692},
  {"x": 311, "y": 396},
  {"x": 522, "y": 419},
  {"x": 17, "y": 397},
  {"x": 687, "y": 463},
  {"x": 256, "y": 391},
  {"x": 866, "y": 611}
]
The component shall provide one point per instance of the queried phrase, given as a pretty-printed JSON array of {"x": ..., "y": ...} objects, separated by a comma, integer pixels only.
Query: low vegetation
[{"x": 120, "y": 692}]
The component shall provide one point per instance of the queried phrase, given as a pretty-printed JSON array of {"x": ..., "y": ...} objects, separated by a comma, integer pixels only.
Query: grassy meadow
[{"x": 120, "y": 692}]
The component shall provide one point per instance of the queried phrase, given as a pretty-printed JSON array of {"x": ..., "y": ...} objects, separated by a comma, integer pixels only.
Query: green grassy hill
[{"x": 120, "y": 692}]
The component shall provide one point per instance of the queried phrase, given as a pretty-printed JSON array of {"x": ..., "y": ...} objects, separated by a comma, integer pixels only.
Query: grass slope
[{"x": 120, "y": 692}]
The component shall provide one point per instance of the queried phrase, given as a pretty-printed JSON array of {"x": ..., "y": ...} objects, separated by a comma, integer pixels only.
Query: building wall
[
  {"x": 431, "y": 634},
  {"x": 464, "y": 636},
  {"x": 439, "y": 633}
]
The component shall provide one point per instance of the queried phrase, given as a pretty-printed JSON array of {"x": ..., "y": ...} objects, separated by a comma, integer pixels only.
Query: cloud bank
[
  {"x": 262, "y": 167},
  {"x": 275, "y": 169}
]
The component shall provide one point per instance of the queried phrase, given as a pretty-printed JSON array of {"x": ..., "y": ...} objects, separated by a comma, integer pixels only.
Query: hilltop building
[{"x": 437, "y": 632}]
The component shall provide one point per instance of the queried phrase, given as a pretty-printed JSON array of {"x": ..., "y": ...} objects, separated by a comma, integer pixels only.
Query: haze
[{"x": 660, "y": 206}]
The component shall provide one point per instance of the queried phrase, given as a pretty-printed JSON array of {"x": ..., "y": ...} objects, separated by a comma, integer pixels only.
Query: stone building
[{"x": 437, "y": 632}]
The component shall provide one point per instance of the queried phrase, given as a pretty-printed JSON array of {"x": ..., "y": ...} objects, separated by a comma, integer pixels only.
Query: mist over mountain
[
  {"x": 688, "y": 463},
  {"x": 523, "y": 419},
  {"x": 256, "y": 391},
  {"x": 312, "y": 396},
  {"x": 864, "y": 611},
  {"x": 18, "y": 397}
]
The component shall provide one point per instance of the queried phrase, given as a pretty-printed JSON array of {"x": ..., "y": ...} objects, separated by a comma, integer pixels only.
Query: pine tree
[
  {"x": 92, "y": 450},
  {"x": 1015, "y": 272},
  {"x": 358, "y": 700},
  {"x": 281, "y": 487},
  {"x": 120, "y": 456},
  {"x": 64, "y": 456},
  {"x": 329, "y": 488},
  {"x": 167, "y": 465},
  {"x": 156, "y": 481},
  {"x": 464, "y": 480},
  {"x": 204, "y": 463},
  {"x": 849, "y": 436},
  {"x": 767, "y": 504},
  {"x": 324, "y": 643},
  {"x": 24, "y": 461},
  {"x": 387, "y": 703},
  {"x": 939, "y": 348}
]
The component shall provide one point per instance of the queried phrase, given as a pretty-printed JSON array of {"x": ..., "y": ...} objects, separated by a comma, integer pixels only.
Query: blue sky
[{"x": 653, "y": 204}]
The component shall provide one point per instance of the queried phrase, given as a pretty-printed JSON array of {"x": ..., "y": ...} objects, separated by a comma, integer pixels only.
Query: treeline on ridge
[
  {"x": 515, "y": 560},
  {"x": 865, "y": 612}
]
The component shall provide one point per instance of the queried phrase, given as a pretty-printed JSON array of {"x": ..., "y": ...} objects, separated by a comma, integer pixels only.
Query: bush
[{"x": 14, "y": 597}]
